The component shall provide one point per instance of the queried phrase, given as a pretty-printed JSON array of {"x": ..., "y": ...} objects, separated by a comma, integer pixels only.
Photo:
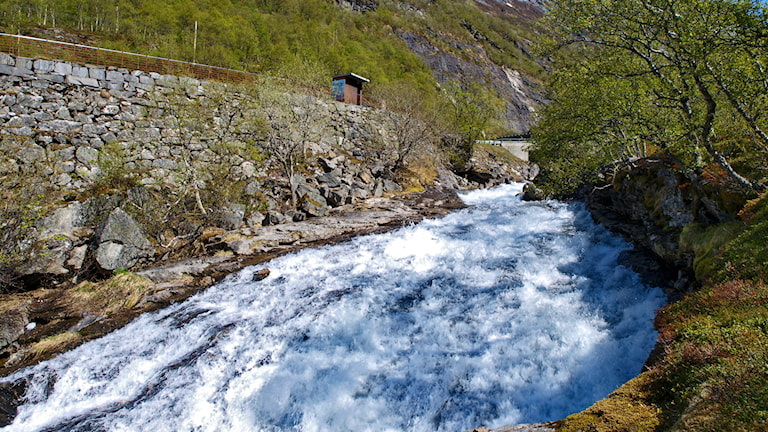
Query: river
[{"x": 505, "y": 312}]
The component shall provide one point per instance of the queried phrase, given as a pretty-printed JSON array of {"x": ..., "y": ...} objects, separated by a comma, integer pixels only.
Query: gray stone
[
  {"x": 53, "y": 78},
  {"x": 164, "y": 163},
  {"x": 43, "y": 66},
  {"x": 390, "y": 186},
  {"x": 97, "y": 73},
  {"x": 15, "y": 71},
  {"x": 169, "y": 81},
  {"x": 254, "y": 220},
  {"x": 91, "y": 82},
  {"x": 65, "y": 154},
  {"x": 66, "y": 167},
  {"x": 51, "y": 261},
  {"x": 94, "y": 129},
  {"x": 64, "y": 126},
  {"x": 22, "y": 131},
  {"x": 12, "y": 325},
  {"x": 43, "y": 116},
  {"x": 87, "y": 155},
  {"x": 273, "y": 218},
  {"x": 313, "y": 204},
  {"x": 62, "y": 68},
  {"x": 147, "y": 133},
  {"x": 77, "y": 257},
  {"x": 115, "y": 77},
  {"x": 64, "y": 221},
  {"x": 25, "y": 63},
  {"x": 121, "y": 242},
  {"x": 21, "y": 121},
  {"x": 79, "y": 71},
  {"x": 329, "y": 179},
  {"x": 378, "y": 190},
  {"x": 231, "y": 216},
  {"x": 532, "y": 193},
  {"x": 63, "y": 179},
  {"x": 110, "y": 110},
  {"x": 30, "y": 101},
  {"x": 6, "y": 59},
  {"x": 63, "y": 114},
  {"x": 338, "y": 197}
]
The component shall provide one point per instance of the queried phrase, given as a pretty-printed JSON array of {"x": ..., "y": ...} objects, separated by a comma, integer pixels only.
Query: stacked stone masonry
[{"x": 57, "y": 117}]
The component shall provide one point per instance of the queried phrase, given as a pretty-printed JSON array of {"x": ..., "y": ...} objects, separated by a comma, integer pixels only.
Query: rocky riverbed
[{"x": 38, "y": 324}]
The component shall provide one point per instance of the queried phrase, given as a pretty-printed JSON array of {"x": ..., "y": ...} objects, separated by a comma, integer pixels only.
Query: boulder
[
  {"x": 121, "y": 244},
  {"x": 313, "y": 204},
  {"x": 338, "y": 197},
  {"x": 532, "y": 193},
  {"x": 231, "y": 216},
  {"x": 12, "y": 325},
  {"x": 273, "y": 218}
]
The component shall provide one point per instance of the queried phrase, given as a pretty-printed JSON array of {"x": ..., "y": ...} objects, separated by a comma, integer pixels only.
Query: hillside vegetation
[
  {"x": 683, "y": 81},
  {"x": 304, "y": 40}
]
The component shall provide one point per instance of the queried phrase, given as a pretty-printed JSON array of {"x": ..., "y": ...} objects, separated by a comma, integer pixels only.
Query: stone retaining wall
[{"x": 56, "y": 117}]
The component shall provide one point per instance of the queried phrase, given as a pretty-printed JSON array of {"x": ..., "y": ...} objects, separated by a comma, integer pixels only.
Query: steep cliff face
[{"x": 521, "y": 94}]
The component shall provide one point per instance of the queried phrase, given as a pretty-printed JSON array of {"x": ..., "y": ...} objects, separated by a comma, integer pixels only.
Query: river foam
[{"x": 502, "y": 313}]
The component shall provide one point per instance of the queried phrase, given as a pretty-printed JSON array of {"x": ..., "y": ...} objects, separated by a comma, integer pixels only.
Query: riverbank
[{"x": 54, "y": 320}]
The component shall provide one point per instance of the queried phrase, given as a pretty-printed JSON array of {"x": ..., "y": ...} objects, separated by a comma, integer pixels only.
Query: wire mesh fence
[
  {"x": 31, "y": 47},
  {"x": 25, "y": 46}
]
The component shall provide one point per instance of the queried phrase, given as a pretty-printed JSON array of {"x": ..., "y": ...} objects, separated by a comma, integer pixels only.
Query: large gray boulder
[
  {"x": 121, "y": 244},
  {"x": 313, "y": 204},
  {"x": 12, "y": 325}
]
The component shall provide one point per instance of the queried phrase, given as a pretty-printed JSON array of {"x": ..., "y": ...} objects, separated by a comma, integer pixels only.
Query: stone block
[
  {"x": 87, "y": 155},
  {"x": 39, "y": 83},
  {"x": 91, "y": 82},
  {"x": 43, "y": 66},
  {"x": 80, "y": 71},
  {"x": 110, "y": 110},
  {"x": 24, "y": 63},
  {"x": 97, "y": 73},
  {"x": 58, "y": 79},
  {"x": 115, "y": 76},
  {"x": 7, "y": 59},
  {"x": 63, "y": 126},
  {"x": 62, "y": 68},
  {"x": 15, "y": 71}
]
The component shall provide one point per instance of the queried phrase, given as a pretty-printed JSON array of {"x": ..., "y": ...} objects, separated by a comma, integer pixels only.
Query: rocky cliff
[{"x": 656, "y": 204}]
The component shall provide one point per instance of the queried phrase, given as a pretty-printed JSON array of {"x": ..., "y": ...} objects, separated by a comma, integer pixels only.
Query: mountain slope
[{"x": 420, "y": 41}]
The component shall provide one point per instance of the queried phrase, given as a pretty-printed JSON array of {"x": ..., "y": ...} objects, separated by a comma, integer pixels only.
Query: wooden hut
[{"x": 349, "y": 88}]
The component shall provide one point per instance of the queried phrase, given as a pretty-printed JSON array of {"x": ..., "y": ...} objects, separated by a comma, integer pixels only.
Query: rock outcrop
[
  {"x": 120, "y": 243},
  {"x": 651, "y": 202}
]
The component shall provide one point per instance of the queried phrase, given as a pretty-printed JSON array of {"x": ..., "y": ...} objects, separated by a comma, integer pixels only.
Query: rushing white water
[{"x": 502, "y": 313}]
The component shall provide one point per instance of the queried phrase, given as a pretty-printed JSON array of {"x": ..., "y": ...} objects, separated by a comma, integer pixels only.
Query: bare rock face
[
  {"x": 650, "y": 203},
  {"x": 121, "y": 243},
  {"x": 359, "y": 5}
]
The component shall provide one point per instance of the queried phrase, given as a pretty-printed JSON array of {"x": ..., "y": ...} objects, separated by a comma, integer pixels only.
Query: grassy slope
[{"x": 307, "y": 40}]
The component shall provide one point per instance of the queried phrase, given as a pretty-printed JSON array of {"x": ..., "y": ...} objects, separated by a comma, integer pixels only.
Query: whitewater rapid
[{"x": 502, "y": 313}]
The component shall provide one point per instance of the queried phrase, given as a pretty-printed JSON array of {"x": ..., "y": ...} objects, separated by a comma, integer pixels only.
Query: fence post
[{"x": 97, "y": 56}]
